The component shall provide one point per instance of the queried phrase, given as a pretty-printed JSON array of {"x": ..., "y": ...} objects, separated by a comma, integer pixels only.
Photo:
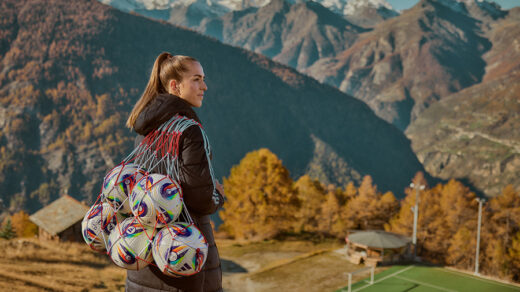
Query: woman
[{"x": 176, "y": 85}]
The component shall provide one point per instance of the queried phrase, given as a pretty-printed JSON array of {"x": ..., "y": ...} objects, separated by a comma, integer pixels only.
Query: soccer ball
[
  {"x": 180, "y": 249},
  {"x": 156, "y": 200},
  {"x": 118, "y": 185},
  {"x": 130, "y": 244},
  {"x": 97, "y": 224}
]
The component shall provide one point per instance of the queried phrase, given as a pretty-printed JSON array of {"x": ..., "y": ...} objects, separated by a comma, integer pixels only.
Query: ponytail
[{"x": 165, "y": 68}]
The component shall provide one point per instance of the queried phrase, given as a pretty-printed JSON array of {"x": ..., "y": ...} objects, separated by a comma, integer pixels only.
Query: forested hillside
[{"x": 71, "y": 71}]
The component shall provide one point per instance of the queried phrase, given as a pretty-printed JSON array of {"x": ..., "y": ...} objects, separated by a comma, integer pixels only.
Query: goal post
[{"x": 372, "y": 269}]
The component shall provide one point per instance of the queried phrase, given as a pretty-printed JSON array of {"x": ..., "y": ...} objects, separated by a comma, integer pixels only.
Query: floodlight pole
[
  {"x": 480, "y": 202},
  {"x": 415, "y": 217}
]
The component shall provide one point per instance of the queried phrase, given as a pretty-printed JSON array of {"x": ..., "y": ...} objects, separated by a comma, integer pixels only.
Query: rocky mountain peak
[
  {"x": 277, "y": 5},
  {"x": 353, "y": 6},
  {"x": 479, "y": 9}
]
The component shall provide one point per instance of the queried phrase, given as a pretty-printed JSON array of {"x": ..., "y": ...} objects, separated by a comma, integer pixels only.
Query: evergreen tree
[
  {"x": 7, "y": 231},
  {"x": 261, "y": 199}
]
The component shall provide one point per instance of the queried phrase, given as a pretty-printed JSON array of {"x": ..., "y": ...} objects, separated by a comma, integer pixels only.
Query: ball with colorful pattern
[
  {"x": 130, "y": 244},
  {"x": 156, "y": 200},
  {"x": 180, "y": 250},
  {"x": 118, "y": 185},
  {"x": 97, "y": 224}
]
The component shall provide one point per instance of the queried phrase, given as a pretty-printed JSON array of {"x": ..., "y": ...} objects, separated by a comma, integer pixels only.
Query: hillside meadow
[{"x": 28, "y": 264}]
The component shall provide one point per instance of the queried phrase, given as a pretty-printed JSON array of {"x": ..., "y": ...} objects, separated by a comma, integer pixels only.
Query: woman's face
[{"x": 192, "y": 86}]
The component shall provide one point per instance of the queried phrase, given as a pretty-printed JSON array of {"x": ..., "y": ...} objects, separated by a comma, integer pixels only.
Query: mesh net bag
[{"x": 139, "y": 217}]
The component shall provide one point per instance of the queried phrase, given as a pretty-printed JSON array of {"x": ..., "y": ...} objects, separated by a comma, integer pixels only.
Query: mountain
[
  {"x": 384, "y": 67},
  {"x": 294, "y": 34},
  {"x": 140, "y": 6},
  {"x": 341, "y": 7},
  {"x": 411, "y": 61},
  {"x": 473, "y": 134},
  {"x": 71, "y": 72},
  {"x": 368, "y": 13}
]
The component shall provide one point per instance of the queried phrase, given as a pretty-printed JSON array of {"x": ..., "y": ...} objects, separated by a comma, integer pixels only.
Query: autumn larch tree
[
  {"x": 261, "y": 199},
  {"x": 369, "y": 209},
  {"x": 22, "y": 225},
  {"x": 311, "y": 194},
  {"x": 501, "y": 225}
]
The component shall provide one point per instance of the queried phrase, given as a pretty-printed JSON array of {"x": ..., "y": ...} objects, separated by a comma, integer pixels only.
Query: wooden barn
[{"x": 60, "y": 220}]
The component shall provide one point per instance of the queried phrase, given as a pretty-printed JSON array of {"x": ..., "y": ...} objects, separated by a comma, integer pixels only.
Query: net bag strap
[{"x": 159, "y": 150}]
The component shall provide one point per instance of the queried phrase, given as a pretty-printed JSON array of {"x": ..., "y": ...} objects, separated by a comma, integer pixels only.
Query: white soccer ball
[
  {"x": 156, "y": 200},
  {"x": 118, "y": 185},
  {"x": 130, "y": 244},
  {"x": 180, "y": 250},
  {"x": 97, "y": 224}
]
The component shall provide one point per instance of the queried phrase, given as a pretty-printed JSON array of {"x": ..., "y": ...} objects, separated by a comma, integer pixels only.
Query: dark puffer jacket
[{"x": 197, "y": 187}]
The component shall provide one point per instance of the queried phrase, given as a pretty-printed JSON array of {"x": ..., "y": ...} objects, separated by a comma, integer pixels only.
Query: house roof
[
  {"x": 59, "y": 215},
  {"x": 379, "y": 239}
]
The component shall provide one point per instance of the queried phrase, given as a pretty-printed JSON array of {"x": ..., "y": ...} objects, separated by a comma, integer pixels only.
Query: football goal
[{"x": 358, "y": 272}]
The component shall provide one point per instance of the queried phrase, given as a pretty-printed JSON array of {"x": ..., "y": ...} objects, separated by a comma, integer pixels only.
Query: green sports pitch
[{"x": 417, "y": 278}]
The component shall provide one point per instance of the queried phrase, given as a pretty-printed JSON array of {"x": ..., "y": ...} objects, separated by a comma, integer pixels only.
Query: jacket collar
[{"x": 161, "y": 109}]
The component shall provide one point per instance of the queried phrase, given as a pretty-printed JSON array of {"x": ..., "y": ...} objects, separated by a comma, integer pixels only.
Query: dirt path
[{"x": 286, "y": 266}]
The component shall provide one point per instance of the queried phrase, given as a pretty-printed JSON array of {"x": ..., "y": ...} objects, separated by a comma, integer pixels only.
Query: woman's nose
[{"x": 204, "y": 86}]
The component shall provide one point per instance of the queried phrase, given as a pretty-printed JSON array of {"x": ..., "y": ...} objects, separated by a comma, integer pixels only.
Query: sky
[{"x": 405, "y": 4}]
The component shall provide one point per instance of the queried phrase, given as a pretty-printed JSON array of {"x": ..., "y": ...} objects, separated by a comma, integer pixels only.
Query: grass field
[
  {"x": 32, "y": 265},
  {"x": 289, "y": 265},
  {"x": 424, "y": 279}
]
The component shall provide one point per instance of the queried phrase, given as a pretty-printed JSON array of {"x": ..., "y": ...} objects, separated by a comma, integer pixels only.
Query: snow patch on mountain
[
  {"x": 350, "y": 7},
  {"x": 219, "y": 7},
  {"x": 353, "y": 6}
]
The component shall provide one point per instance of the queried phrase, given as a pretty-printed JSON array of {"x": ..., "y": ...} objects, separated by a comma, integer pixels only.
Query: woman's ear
[{"x": 173, "y": 87}]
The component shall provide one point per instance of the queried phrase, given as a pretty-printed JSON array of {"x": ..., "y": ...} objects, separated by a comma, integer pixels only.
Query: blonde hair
[{"x": 165, "y": 68}]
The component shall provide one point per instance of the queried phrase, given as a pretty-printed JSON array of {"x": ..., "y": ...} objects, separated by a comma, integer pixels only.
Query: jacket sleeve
[{"x": 199, "y": 194}]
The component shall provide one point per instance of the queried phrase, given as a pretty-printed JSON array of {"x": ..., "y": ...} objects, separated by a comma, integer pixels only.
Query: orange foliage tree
[
  {"x": 22, "y": 225},
  {"x": 330, "y": 221},
  {"x": 369, "y": 209},
  {"x": 311, "y": 194},
  {"x": 446, "y": 218},
  {"x": 262, "y": 201},
  {"x": 501, "y": 242}
]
